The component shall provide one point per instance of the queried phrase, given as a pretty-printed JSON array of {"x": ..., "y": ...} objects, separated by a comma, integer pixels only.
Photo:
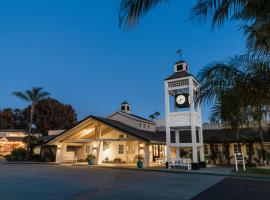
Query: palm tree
[
  {"x": 157, "y": 114},
  {"x": 32, "y": 96},
  {"x": 254, "y": 15},
  {"x": 241, "y": 86},
  {"x": 132, "y": 10},
  {"x": 152, "y": 117},
  {"x": 231, "y": 112}
]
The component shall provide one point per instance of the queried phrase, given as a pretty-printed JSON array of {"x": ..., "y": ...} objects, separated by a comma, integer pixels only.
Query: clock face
[{"x": 180, "y": 99}]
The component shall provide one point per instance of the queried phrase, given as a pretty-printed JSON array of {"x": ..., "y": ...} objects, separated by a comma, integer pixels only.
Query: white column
[
  {"x": 100, "y": 146},
  {"x": 202, "y": 158},
  {"x": 99, "y": 153},
  {"x": 192, "y": 122},
  {"x": 168, "y": 130},
  {"x": 146, "y": 150},
  {"x": 168, "y": 143},
  {"x": 60, "y": 151},
  {"x": 177, "y": 141}
]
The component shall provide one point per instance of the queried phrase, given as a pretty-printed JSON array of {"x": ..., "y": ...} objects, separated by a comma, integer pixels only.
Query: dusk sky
[{"x": 76, "y": 51}]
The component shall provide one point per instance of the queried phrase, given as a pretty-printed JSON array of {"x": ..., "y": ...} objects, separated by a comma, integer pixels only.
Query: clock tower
[{"x": 183, "y": 116}]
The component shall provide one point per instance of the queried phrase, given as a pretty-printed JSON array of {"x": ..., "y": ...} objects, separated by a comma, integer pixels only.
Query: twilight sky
[{"x": 77, "y": 52}]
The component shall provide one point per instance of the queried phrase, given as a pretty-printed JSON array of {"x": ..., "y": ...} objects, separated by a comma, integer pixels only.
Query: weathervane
[{"x": 179, "y": 52}]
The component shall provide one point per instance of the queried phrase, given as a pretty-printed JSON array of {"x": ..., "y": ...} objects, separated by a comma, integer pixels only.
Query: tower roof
[{"x": 180, "y": 74}]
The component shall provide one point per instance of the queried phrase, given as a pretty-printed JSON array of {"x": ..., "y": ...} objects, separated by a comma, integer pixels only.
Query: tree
[
  {"x": 50, "y": 114},
  {"x": 132, "y": 10},
  {"x": 241, "y": 86},
  {"x": 157, "y": 114},
  {"x": 253, "y": 14},
  {"x": 32, "y": 96},
  {"x": 152, "y": 117},
  {"x": 12, "y": 119},
  {"x": 6, "y": 119}
]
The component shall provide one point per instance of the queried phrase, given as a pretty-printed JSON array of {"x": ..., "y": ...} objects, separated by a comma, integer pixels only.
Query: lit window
[{"x": 120, "y": 149}]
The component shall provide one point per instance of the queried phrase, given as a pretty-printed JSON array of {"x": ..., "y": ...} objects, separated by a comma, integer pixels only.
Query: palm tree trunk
[{"x": 30, "y": 131}]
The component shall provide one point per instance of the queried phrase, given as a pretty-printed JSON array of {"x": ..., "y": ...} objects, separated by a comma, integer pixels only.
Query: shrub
[
  {"x": 91, "y": 157},
  {"x": 117, "y": 160},
  {"x": 48, "y": 155},
  {"x": 17, "y": 155}
]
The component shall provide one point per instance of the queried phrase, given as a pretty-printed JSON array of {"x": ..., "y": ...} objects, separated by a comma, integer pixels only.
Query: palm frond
[
  {"x": 132, "y": 10},
  {"x": 21, "y": 96}
]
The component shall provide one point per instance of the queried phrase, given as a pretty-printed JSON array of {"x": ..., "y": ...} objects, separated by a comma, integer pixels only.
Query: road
[{"x": 54, "y": 182}]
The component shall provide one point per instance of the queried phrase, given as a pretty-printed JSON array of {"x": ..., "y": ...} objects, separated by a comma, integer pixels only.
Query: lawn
[{"x": 254, "y": 170}]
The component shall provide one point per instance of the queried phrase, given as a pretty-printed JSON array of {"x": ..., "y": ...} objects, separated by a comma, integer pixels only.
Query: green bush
[
  {"x": 36, "y": 157},
  {"x": 48, "y": 156},
  {"x": 17, "y": 155}
]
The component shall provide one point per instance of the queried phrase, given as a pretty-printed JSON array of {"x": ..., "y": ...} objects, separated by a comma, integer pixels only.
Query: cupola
[
  {"x": 180, "y": 66},
  {"x": 125, "y": 107}
]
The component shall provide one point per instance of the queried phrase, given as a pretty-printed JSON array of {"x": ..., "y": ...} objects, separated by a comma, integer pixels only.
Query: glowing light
[{"x": 87, "y": 131}]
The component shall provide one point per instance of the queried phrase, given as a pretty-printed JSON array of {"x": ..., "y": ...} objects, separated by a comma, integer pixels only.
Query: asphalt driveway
[{"x": 53, "y": 182}]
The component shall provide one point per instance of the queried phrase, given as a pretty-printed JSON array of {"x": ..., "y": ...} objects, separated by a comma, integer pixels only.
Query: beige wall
[
  {"x": 131, "y": 122},
  {"x": 244, "y": 150}
]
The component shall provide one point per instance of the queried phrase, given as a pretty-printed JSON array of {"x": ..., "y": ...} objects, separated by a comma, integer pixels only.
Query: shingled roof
[
  {"x": 144, "y": 135},
  {"x": 180, "y": 74},
  {"x": 148, "y": 136}
]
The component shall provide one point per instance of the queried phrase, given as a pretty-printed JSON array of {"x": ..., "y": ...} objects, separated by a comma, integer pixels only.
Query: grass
[{"x": 254, "y": 170}]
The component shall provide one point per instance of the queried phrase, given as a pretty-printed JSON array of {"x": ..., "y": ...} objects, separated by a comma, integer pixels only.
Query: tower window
[
  {"x": 179, "y": 67},
  {"x": 122, "y": 108},
  {"x": 127, "y": 108}
]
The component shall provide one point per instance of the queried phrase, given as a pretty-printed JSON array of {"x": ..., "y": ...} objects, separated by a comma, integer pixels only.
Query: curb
[
  {"x": 27, "y": 163},
  {"x": 194, "y": 173}
]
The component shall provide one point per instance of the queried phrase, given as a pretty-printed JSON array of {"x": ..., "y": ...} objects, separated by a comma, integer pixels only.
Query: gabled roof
[
  {"x": 144, "y": 135},
  {"x": 180, "y": 74},
  {"x": 141, "y": 134},
  {"x": 133, "y": 117}
]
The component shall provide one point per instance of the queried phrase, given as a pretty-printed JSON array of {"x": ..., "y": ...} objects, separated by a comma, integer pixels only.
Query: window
[
  {"x": 122, "y": 108},
  {"x": 127, "y": 108},
  {"x": 205, "y": 149},
  {"x": 216, "y": 147},
  {"x": 148, "y": 126},
  {"x": 71, "y": 149},
  {"x": 121, "y": 136},
  {"x": 120, "y": 149},
  {"x": 140, "y": 125},
  {"x": 144, "y": 125},
  {"x": 179, "y": 67}
]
